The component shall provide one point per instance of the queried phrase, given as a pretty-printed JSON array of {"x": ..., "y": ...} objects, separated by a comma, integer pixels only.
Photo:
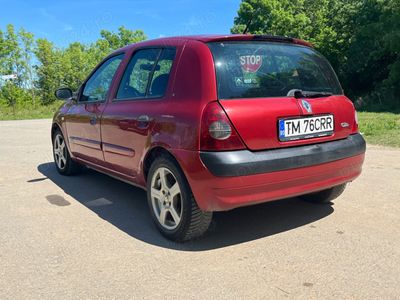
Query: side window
[
  {"x": 134, "y": 82},
  {"x": 96, "y": 88},
  {"x": 148, "y": 65},
  {"x": 161, "y": 73}
]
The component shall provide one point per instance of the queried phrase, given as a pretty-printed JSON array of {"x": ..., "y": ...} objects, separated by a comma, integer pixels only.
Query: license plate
[{"x": 305, "y": 128}]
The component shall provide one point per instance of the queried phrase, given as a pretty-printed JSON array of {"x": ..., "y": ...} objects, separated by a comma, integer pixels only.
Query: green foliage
[
  {"x": 122, "y": 38},
  {"x": 54, "y": 67},
  {"x": 28, "y": 110},
  {"x": 380, "y": 128},
  {"x": 16, "y": 55},
  {"x": 361, "y": 38},
  {"x": 49, "y": 71},
  {"x": 374, "y": 55},
  {"x": 12, "y": 95}
]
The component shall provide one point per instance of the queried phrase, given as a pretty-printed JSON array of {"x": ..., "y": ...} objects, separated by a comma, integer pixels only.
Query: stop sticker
[{"x": 250, "y": 63}]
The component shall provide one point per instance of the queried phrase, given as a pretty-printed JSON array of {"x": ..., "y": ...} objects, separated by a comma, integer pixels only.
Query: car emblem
[
  {"x": 307, "y": 106},
  {"x": 345, "y": 124}
]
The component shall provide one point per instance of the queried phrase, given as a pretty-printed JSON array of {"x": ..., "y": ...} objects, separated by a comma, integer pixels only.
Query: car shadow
[{"x": 125, "y": 207}]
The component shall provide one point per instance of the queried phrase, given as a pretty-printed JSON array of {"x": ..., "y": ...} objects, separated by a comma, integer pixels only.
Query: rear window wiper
[
  {"x": 316, "y": 94},
  {"x": 308, "y": 94}
]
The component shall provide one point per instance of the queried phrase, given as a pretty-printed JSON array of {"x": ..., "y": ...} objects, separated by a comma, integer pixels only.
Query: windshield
[{"x": 260, "y": 69}]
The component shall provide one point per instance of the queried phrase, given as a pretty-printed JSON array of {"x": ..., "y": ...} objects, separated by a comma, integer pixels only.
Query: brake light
[
  {"x": 303, "y": 43},
  {"x": 217, "y": 132}
]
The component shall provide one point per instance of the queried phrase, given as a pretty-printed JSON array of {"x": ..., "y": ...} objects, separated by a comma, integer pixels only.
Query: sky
[{"x": 63, "y": 21}]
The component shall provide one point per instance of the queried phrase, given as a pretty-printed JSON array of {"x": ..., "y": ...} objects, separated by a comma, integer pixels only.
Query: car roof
[{"x": 207, "y": 38}]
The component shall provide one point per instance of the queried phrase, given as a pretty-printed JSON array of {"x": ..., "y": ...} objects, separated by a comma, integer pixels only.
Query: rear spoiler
[
  {"x": 282, "y": 39},
  {"x": 255, "y": 37}
]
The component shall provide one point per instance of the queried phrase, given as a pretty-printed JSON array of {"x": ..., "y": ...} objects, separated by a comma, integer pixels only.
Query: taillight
[{"x": 217, "y": 132}]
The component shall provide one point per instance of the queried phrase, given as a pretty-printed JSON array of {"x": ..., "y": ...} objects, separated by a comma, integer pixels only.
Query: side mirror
[{"x": 64, "y": 93}]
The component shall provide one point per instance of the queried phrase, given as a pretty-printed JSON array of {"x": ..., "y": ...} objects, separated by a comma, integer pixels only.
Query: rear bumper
[
  {"x": 244, "y": 162},
  {"x": 226, "y": 180}
]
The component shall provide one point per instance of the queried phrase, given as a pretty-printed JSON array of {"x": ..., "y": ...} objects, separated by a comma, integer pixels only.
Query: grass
[
  {"x": 378, "y": 128},
  {"x": 28, "y": 111}
]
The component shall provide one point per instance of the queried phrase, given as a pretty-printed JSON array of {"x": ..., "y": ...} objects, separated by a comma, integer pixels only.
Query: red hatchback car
[{"x": 211, "y": 123}]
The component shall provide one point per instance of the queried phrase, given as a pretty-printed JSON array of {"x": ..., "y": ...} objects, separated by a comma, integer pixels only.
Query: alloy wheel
[
  {"x": 166, "y": 198},
  {"x": 60, "y": 154}
]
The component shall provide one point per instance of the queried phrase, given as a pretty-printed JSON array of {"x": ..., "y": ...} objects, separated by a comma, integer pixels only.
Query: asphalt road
[{"x": 91, "y": 236}]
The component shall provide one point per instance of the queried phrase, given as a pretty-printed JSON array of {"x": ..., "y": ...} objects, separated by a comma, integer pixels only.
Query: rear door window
[
  {"x": 160, "y": 77},
  {"x": 147, "y": 74},
  {"x": 259, "y": 69}
]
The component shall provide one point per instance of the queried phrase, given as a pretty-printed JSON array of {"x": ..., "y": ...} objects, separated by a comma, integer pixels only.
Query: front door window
[{"x": 96, "y": 88}]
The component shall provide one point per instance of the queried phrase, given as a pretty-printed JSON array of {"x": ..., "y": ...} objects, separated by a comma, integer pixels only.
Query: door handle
[
  {"x": 143, "y": 118},
  {"x": 93, "y": 120},
  {"x": 143, "y": 122}
]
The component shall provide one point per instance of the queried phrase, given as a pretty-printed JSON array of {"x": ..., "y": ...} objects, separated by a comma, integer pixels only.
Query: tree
[
  {"x": 390, "y": 21},
  {"x": 12, "y": 54},
  {"x": 70, "y": 66},
  {"x": 49, "y": 71},
  {"x": 373, "y": 68},
  {"x": 299, "y": 18},
  {"x": 16, "y": 58},
  {"x": 27, "y": 42},
  {"x": 76, "y": 64},
  {"x": 361, "y": 39},
  {"x": 325, "y": 23},
  {"x": 54, "y": 66},
  {"x": 122, "y": 38}
]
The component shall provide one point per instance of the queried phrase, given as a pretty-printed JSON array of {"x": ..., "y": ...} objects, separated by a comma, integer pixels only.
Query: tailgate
[
  {"x": 257, "y": 120},
  {"x": 280, "y": 94}
]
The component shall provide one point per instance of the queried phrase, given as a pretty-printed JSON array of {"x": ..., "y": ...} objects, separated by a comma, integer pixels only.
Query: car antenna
[{"x": 249, "y": 22}]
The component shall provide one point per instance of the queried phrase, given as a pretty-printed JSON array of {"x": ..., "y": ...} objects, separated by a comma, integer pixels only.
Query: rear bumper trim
[{"x": 245, "y": 162}]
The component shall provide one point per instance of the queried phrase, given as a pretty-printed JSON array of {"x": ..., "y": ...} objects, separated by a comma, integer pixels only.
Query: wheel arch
[
  {"x": 54, "y": 127},
  {"x": 151, "y": 156}
]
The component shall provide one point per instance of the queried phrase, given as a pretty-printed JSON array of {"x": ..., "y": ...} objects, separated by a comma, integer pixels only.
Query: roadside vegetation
[
  {"x": 361, "y": 39},
  {"x": 29, "y": 111},
  {"x": 380, "y": 128},
  {"x": 32, "y": 69}
]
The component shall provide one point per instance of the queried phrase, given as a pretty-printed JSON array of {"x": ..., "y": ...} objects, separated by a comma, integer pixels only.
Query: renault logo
[{"x": 306, "y": 105}]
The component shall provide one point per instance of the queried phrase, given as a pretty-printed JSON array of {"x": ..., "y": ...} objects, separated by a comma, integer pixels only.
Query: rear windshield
[{"x": 258, "y": 69}]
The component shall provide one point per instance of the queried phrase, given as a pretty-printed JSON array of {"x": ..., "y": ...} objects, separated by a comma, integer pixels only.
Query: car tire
[
  {"x": 172, "y": 204},
  {"x": 324, "y": 196},
  {"x": 62, "y": 158}
]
